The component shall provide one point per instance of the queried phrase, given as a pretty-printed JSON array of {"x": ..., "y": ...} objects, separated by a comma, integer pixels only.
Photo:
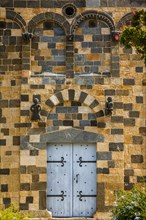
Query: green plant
[
  {"x": 12, "y": 213},
  {"x": 135, "y": 36},
  {"x": 130, "y": 205}
]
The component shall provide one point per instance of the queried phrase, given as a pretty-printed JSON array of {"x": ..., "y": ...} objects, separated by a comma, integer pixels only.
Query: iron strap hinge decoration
[
  {"x": 85, "y": 161},
  {"x": 80, "y": 195},
  {"x": 57, "y": 161},
  {"x": 61, "y": 195}
]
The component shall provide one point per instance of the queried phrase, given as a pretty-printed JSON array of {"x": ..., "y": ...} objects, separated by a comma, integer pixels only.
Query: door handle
[{"x": 77, "y": 178}]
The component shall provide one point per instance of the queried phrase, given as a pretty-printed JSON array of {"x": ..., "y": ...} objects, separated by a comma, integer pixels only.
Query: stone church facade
[{"x": 66, "y": 54}]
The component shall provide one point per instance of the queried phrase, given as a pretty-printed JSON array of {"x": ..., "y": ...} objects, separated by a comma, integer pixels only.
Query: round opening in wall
[{"x": 69, "y": 10}]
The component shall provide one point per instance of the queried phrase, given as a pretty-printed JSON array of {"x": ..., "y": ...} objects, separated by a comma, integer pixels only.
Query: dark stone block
[
  {"x": 101, "y": 124},
  {"x": 118, "y": 105},
  {"x": 4, "y": 171},
  {"x": 117, "y": 119},
  {"x": 20, "y": 4},
  {"x": 2, "y": 24},
  {"x": 139, "y": 99},
  {"x": 142, "y": 131},
  {"x": 111, "y": 163},
  {"x": 57, "y": 123},
  {"x": 8, "y": 153},
  {"x": 33, "y": 4},
  {"x": 35, "y": 170},
  {"x": 83, "y": 96},
  {"x": 71, "y": 93},
  {"x": 93, "y": 123},
  {"x": 117, "y": 131},
  {"x": 99, "y": 114},
  {"x": 74, "y": 103},
  {"x": 14, "y": 103},
  {"x": 67, "y": 123},
  {"x": 129, "y": 121},
  {"x": 109, "y": 92},
  {"x": 22, "y": 169},
  {"x": 4, "y": 187},
  {"x": 137, "y": 140},
  {"x": 73, "y": 109},
  {"x": 101, "y": 195},
  {"x": 7, "y": 201},
  {"x": 38, "y": 186},
  {"x": 16, "y": 140},
  {"x": 128, "y": 81},
  {"x": 139, "y": 69},
  {"x": 4, "y": 103},
  {"x": 129, "y": 172},
  {"x": 53, "y": 117},
  {"x": 2, "y": 142},
  {"x": 137, "y": 158},
  {"x": 2, "y": 120},
  {"x": 94, "y": 104},
  {"x": 50, "y": 103},
  {"x": 79, "y": 116},
  {"x": 128, "y": 106},
  {"x": 102, "y": 170},
  {"x": 34, "y": 153},
  {"x": 13, "y": 82},
  {"x": 35, "y": 178},
  {"x": 61, "y": 109},
  {"x": 24, "y": 98},
  {"x": 25, "y": 187},
  {"x": 5, "y": 131},
  {"x": 134, "y": 114},
  {"x": 60, "y": 97},
  {"x": 29, "y": 199},
  {"x": 104, "y": 155},
  {"x": 85, "y": 123},
  {"x": 24, "y": 206},
  {"x": 22, "y": 125},
  {"x": 42, "y": 200},
  {"x": 116, "y": 146}
]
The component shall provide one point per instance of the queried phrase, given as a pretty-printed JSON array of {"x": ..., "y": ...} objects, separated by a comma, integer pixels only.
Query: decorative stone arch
[
  {"x": 126, "y": 18},
  {"x": 59, "y": 19},
  {"x": 12, "y": 15},
  {"x": 78, "y": 96},
  {"x": 92, "y": 14}
]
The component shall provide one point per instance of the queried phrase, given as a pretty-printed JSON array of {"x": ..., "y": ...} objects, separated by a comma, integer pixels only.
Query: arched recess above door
[{"x": 78, "y": 96}]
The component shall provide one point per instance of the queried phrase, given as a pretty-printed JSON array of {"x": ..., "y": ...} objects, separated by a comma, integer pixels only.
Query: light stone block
[{"x": 34, "y": 138}]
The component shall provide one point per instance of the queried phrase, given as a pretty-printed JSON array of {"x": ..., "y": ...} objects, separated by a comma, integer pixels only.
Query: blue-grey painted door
[{"x": 71, "y": 180}]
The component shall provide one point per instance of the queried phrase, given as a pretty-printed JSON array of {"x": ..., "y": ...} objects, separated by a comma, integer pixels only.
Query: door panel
[
  {"x": 71, "y": 184},
  {"x": 84, "y": 187},
  {"x": 59, "y": 183}
]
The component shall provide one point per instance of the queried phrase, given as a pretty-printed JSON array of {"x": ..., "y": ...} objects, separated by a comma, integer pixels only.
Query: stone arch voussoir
[
  {"x": 17, "y": 18},
  {"x": 49, "y": 16},
  {"x": 92, "y": 14},
  {"x": 126, "y": 18},
  {"x": 78, "y": 96}
]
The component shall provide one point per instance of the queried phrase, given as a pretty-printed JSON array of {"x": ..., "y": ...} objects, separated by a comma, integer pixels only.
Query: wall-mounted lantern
[
  {"x": 35, "y": 109},
  {"x": 108, "y": 106}
]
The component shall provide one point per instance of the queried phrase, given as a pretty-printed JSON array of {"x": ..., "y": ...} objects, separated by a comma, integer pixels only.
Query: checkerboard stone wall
[{"x": 69, "y": 100}]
